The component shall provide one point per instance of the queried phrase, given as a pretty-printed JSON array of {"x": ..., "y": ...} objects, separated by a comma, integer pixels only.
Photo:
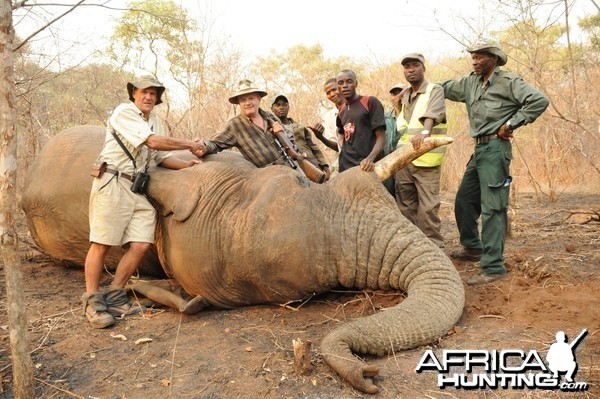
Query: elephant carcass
[
  {"x": 56, "y": 197},
  {"x": 235, "y": 235}
]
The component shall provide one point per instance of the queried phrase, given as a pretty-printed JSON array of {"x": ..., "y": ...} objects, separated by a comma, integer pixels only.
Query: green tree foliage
[
  {"x": 151, "y": 32},
  {"x": 591, "y": 26},
  {"x": 49, "y": 102},
  {"x": 159, "y": 37},
  {"x": 300, "y": 73}
]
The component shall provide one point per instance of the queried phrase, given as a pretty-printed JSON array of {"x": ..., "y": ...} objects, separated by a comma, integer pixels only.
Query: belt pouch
[{"x": 98, "y": 169}]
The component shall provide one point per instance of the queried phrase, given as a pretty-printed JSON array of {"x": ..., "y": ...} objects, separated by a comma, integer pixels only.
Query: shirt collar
[{"x": 492, "y": 78}]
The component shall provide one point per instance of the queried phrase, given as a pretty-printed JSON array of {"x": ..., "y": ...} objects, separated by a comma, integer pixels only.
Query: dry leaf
[
  {"x": 248, "y": 349},
  {"x": 165, "y": 382},
  {"x": 143, "y": 341},
  {"x": 119, "y": 336}
]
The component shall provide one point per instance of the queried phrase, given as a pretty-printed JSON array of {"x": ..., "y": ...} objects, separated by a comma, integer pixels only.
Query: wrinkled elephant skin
[{"x": 236, "y": 235}]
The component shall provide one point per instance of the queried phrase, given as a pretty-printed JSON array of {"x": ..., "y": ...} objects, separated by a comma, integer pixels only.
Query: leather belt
[
  {"x": 485, "y": 139},
  {"x": 119, "y": 174}
]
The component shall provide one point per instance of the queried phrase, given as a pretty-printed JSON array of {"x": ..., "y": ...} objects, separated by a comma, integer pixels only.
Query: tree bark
[{"x": 23, "y": 383}]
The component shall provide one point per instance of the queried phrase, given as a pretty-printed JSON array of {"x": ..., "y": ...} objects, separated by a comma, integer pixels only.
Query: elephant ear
[{"x": 176, "y": 192}]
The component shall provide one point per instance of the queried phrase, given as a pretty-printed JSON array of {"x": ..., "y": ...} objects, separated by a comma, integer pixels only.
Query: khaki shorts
[{"x": 118, "y": 215}]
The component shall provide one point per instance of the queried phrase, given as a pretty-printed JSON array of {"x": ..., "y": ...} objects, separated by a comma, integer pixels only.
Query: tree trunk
[{"x": 23, "y": 383}]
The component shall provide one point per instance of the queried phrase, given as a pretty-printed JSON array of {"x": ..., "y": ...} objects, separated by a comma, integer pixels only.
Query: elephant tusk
[{"x": 398, "y": 159}]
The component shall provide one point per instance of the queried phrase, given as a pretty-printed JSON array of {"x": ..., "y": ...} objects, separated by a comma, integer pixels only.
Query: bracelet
[{"x": 425, "y": 132}]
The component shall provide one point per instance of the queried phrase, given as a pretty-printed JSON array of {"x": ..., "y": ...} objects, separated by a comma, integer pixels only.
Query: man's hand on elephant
[{"x": 367, "y": 165}]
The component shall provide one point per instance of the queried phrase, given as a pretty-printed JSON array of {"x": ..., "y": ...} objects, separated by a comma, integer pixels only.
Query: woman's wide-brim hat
[
  {"x": 245, "y": 87},
  {"x": 144, "y": 82},
  {"x": 489, "y": 46}
]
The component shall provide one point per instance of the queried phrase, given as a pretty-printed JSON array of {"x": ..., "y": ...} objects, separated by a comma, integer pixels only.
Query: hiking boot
[
  {"x": 470, "y": 254},
  {"x": 118, "y": 303},
  {"x": 485, "y": 279},
  {"x": 95, "y": 310}
]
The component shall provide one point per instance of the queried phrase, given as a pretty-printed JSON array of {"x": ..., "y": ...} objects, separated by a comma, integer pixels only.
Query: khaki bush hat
[
  {"x": 245, "y": 87},
  {"x": 489, "y": 46},
  {"x": 143, "y": 82},
  {"x": 413, "y": 56}
]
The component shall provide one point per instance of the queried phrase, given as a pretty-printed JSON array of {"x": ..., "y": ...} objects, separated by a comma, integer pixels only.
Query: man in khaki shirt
[
  {"x": 422, "y": 114},
  {"x": 119, "y": 216}
]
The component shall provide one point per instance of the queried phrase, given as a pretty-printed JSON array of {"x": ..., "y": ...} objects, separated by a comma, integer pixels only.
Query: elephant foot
[
  {"x": 163, "y": 292},
  {"x": 193, "y": 305}
]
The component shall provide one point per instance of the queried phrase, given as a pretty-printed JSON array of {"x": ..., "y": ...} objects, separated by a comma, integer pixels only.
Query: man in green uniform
[{"x": 498, "y": 103}]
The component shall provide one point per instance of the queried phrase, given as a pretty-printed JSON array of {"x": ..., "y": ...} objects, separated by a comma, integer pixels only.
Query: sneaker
[
  {"x": 471, "y": 254},
  {"x": 485, "y": 279},
  {"x": 118, "y": 304},
  {"x": 95, "y": 310}
]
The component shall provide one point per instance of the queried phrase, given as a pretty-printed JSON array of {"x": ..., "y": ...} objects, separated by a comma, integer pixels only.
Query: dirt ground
[{"x": 553, "y": 259}]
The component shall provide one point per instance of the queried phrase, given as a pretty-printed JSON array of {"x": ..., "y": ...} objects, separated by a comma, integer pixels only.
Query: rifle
[
  {"x": 293, "y": 157},
  {"x": 575, "y": 342}
]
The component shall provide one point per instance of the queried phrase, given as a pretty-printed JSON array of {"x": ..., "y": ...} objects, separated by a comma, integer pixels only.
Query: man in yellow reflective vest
[{"x": 423, "y": 115}]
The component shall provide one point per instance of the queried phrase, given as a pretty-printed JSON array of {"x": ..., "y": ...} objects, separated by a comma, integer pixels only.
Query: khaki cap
[{"x": 143, "y": 82}]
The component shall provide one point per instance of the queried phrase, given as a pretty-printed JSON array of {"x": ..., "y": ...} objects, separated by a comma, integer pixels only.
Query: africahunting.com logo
[{"x": 512, "y": 368}]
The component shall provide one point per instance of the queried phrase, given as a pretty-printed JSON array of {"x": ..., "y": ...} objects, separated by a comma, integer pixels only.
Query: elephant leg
[{"x": 163, "y": 293}]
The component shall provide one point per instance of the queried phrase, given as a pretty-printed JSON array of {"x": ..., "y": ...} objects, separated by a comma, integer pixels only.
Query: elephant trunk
[
  {"x": 434, "y": 304},
  {"x": 398, "y": 159}
]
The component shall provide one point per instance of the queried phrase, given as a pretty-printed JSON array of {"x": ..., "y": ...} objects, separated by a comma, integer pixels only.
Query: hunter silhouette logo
[
  {"x": 561, "y": 356},
  {"x": 511, "y": 368}
]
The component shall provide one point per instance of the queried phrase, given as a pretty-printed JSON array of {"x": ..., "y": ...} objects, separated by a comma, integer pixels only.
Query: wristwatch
[{"x": 425, "y": 132}]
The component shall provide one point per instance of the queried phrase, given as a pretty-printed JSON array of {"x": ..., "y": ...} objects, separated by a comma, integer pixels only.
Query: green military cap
[{"x": 489, "y": 46}]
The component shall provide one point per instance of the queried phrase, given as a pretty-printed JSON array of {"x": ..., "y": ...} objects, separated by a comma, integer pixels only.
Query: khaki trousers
[{"x": 418, "y": 197}]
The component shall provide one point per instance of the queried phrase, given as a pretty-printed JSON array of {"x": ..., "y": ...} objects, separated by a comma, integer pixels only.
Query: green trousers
[{"x": 484, "y": 192}]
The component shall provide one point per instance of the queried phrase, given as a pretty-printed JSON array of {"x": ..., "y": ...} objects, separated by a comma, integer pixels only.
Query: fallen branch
[{"x": 59, "y": 389}]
